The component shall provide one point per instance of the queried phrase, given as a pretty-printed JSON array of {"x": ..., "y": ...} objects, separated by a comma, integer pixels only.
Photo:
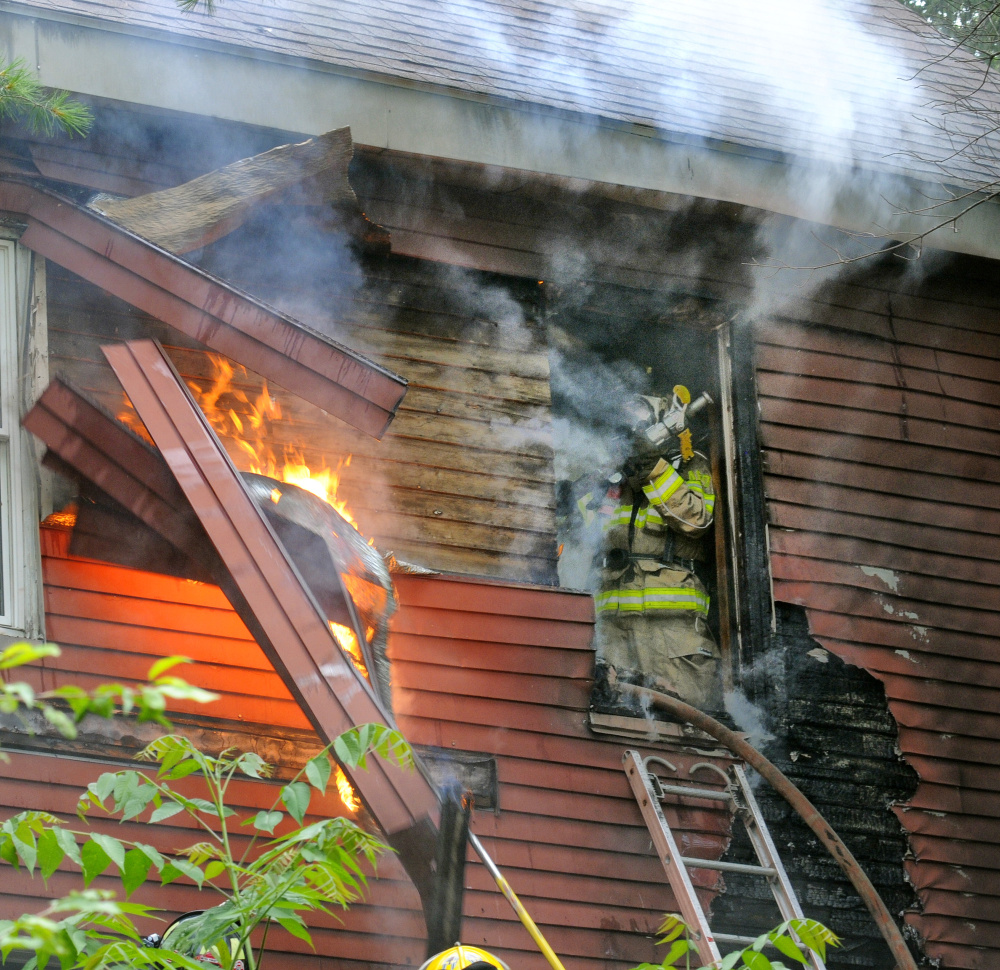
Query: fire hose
[
  {"x": 517, "y": 905},
  {"x": 805, "y": 809}
]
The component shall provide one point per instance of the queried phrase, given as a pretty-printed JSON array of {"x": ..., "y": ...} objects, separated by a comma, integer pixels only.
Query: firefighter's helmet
[
  {"x": 181, "y": 934},
  {"x": 461, "y": 957}
]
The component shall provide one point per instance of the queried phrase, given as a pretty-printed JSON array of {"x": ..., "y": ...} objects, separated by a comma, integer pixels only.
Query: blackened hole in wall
[{"x": 836, "y": 740}]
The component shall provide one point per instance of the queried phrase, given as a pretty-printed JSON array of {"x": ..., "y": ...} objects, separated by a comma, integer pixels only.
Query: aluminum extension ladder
[{"x": 650, "y": 790}]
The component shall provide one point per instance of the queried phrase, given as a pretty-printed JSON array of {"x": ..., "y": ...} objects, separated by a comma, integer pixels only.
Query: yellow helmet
[{"x": 461, "y": 957}]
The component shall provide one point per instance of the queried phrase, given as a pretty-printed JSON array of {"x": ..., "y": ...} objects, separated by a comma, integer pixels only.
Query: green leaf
[
  {"x": 60, "y": 720},
  {"x": 181, "y": 770},
  {"x": 678, "y": 949},
  {"x": 266, "y": 821},
  {"x": 50, "y": 852},
  {"x": 787, "y": 947},
  {"x": 181, "y": 867},
  {"x": 24, "y": 844},
  {"x": 104, "y": 786},
  {"x": 297, "y": 928},
  {"x": 671, "y": 927},
  {"x": 68, "y": 842},
  {"x": 253, "y": 765},
  {"x": 215, "y": 868},
  {"x": 756, "y": 961},
  {"x": 167, "y": 810},
  {"x": 163, "y": 665},
  {"x": 135, "y": 870},
  {"x": 19, "y": 654},
  {"x": 7, "y": 851},
  {"x": 114, "y": 848},
  {"x": 730, "y": 960},
  {"x": 152, "y": 854},
  {"x": 296, "y": 797},
  {"x": 93, "y": 860},
  {"x": 318, "y": 771}
]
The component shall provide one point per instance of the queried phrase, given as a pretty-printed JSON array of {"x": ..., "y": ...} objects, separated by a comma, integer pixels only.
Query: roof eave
[{"x": 389, "y": 113}]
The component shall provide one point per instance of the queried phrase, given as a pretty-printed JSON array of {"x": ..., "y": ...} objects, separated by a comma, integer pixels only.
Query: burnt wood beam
[
  {"x": 266, "y": 591},
  {"x": 195, "y": 213},
  {"x": 268, "y": 342}
]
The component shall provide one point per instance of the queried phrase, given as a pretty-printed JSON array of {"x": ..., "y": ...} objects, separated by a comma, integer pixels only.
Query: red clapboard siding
[
  {"x": 477, "y": 665},
  {"x": 882, "y": 470}
]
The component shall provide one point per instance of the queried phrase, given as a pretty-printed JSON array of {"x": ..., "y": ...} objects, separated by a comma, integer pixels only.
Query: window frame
[{"x": 23, "y": 372}]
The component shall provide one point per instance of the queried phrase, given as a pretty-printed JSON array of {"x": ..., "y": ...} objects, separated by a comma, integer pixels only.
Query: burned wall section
[
  {"x": 462, "y": 481},
  {"x": 832, "y": 734},
  {"x": 879, "y": 404}
]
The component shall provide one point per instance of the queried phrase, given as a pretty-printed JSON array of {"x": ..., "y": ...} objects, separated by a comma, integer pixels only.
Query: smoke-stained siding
[{"x": 881, "y": 430}]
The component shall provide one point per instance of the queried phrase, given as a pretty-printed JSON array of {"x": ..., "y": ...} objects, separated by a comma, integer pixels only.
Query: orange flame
[
  {"x": 347, "y": 794},
  {"x": 245, "y": 423},
  {"x": 348, "y": 641}
]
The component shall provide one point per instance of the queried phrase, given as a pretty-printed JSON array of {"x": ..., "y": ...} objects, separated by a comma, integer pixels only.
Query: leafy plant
[
  {"x": 792, "y": 939},
  {"x": 22, "y": 95},
  {"x": 314, "y": 867},
  {"x": 66, "y": 706}
]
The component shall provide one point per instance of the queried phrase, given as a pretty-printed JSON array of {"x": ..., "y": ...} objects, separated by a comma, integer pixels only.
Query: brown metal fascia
[
  {"x": 272, "y": 344},
  {"x": 263, "y": 585},
  {"x": 97, "y": 448}
]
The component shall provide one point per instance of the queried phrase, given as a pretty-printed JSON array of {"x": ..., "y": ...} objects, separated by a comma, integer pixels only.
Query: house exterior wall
[
  {"x": 880, "y": 413},
  {"x": 502, "y": 670}
]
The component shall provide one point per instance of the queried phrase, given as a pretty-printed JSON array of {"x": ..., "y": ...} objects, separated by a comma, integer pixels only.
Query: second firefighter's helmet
[{"x": 460, "y": 957}]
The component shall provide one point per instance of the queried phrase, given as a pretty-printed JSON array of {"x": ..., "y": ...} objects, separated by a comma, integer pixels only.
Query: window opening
[{"x": 641, "y": 468}]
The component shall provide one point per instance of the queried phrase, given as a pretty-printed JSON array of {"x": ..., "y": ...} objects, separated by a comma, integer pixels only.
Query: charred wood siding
[
  {"x": 479, "y": 666},
  {"x": 463, "y": 478},
  {"x": 881, "y": 430}
]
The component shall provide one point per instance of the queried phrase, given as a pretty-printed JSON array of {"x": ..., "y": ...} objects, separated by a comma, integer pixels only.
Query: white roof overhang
[{"x": 176, "y": 72}]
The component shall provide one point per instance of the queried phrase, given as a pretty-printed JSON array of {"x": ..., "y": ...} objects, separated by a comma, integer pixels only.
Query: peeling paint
[
  {"x": 819, "y": 654},
  {"x": 887, "y": 576},
  {"x": 888, "y": 607},
  {"x": 909, "y": 616},
  {"x": 905, "y": 654},
  {"x": 920, "y": 633}
]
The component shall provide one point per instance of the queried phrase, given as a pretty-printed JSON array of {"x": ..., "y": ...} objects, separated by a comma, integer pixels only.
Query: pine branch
[{"x": 22, "y": 95}]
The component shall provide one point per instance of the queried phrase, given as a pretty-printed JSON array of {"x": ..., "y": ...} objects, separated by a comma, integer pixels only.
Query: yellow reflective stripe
[
  {"x": 650, "y": 515},
  {"x": 621, "y": 516},
  {"x": 586, "y": 513},
  {"x": 657, "y": 598},
  {"x": 663, "y": 486},
  {"x": 708, "y": 497}
]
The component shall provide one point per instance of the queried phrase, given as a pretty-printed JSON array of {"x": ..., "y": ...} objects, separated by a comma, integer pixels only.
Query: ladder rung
[
  {"x": 732, "y": 938},
  {"x": 728, "y": 867},
  {"x": 713, "y": 793}
]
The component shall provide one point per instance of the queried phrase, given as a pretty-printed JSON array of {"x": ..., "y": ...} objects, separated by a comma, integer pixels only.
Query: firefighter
[
  {"x": 652, "y": 608},
  {"x": 461, "y": 957}
]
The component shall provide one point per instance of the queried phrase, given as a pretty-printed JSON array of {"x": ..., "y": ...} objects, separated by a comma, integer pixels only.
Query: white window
[{"x": 20, "y": 599}]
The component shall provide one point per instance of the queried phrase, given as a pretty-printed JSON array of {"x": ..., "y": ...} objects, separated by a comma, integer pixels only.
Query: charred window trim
[{"x": 753, "y": 598}]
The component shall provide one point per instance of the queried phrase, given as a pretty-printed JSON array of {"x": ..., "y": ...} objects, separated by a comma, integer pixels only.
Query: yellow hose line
[{"x": 517, "y": 906}]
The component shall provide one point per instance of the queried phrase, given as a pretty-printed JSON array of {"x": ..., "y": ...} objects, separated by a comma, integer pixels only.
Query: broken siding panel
[
  {"x": 882, "y": 472},
  {"x": 462, "y": 481}
]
